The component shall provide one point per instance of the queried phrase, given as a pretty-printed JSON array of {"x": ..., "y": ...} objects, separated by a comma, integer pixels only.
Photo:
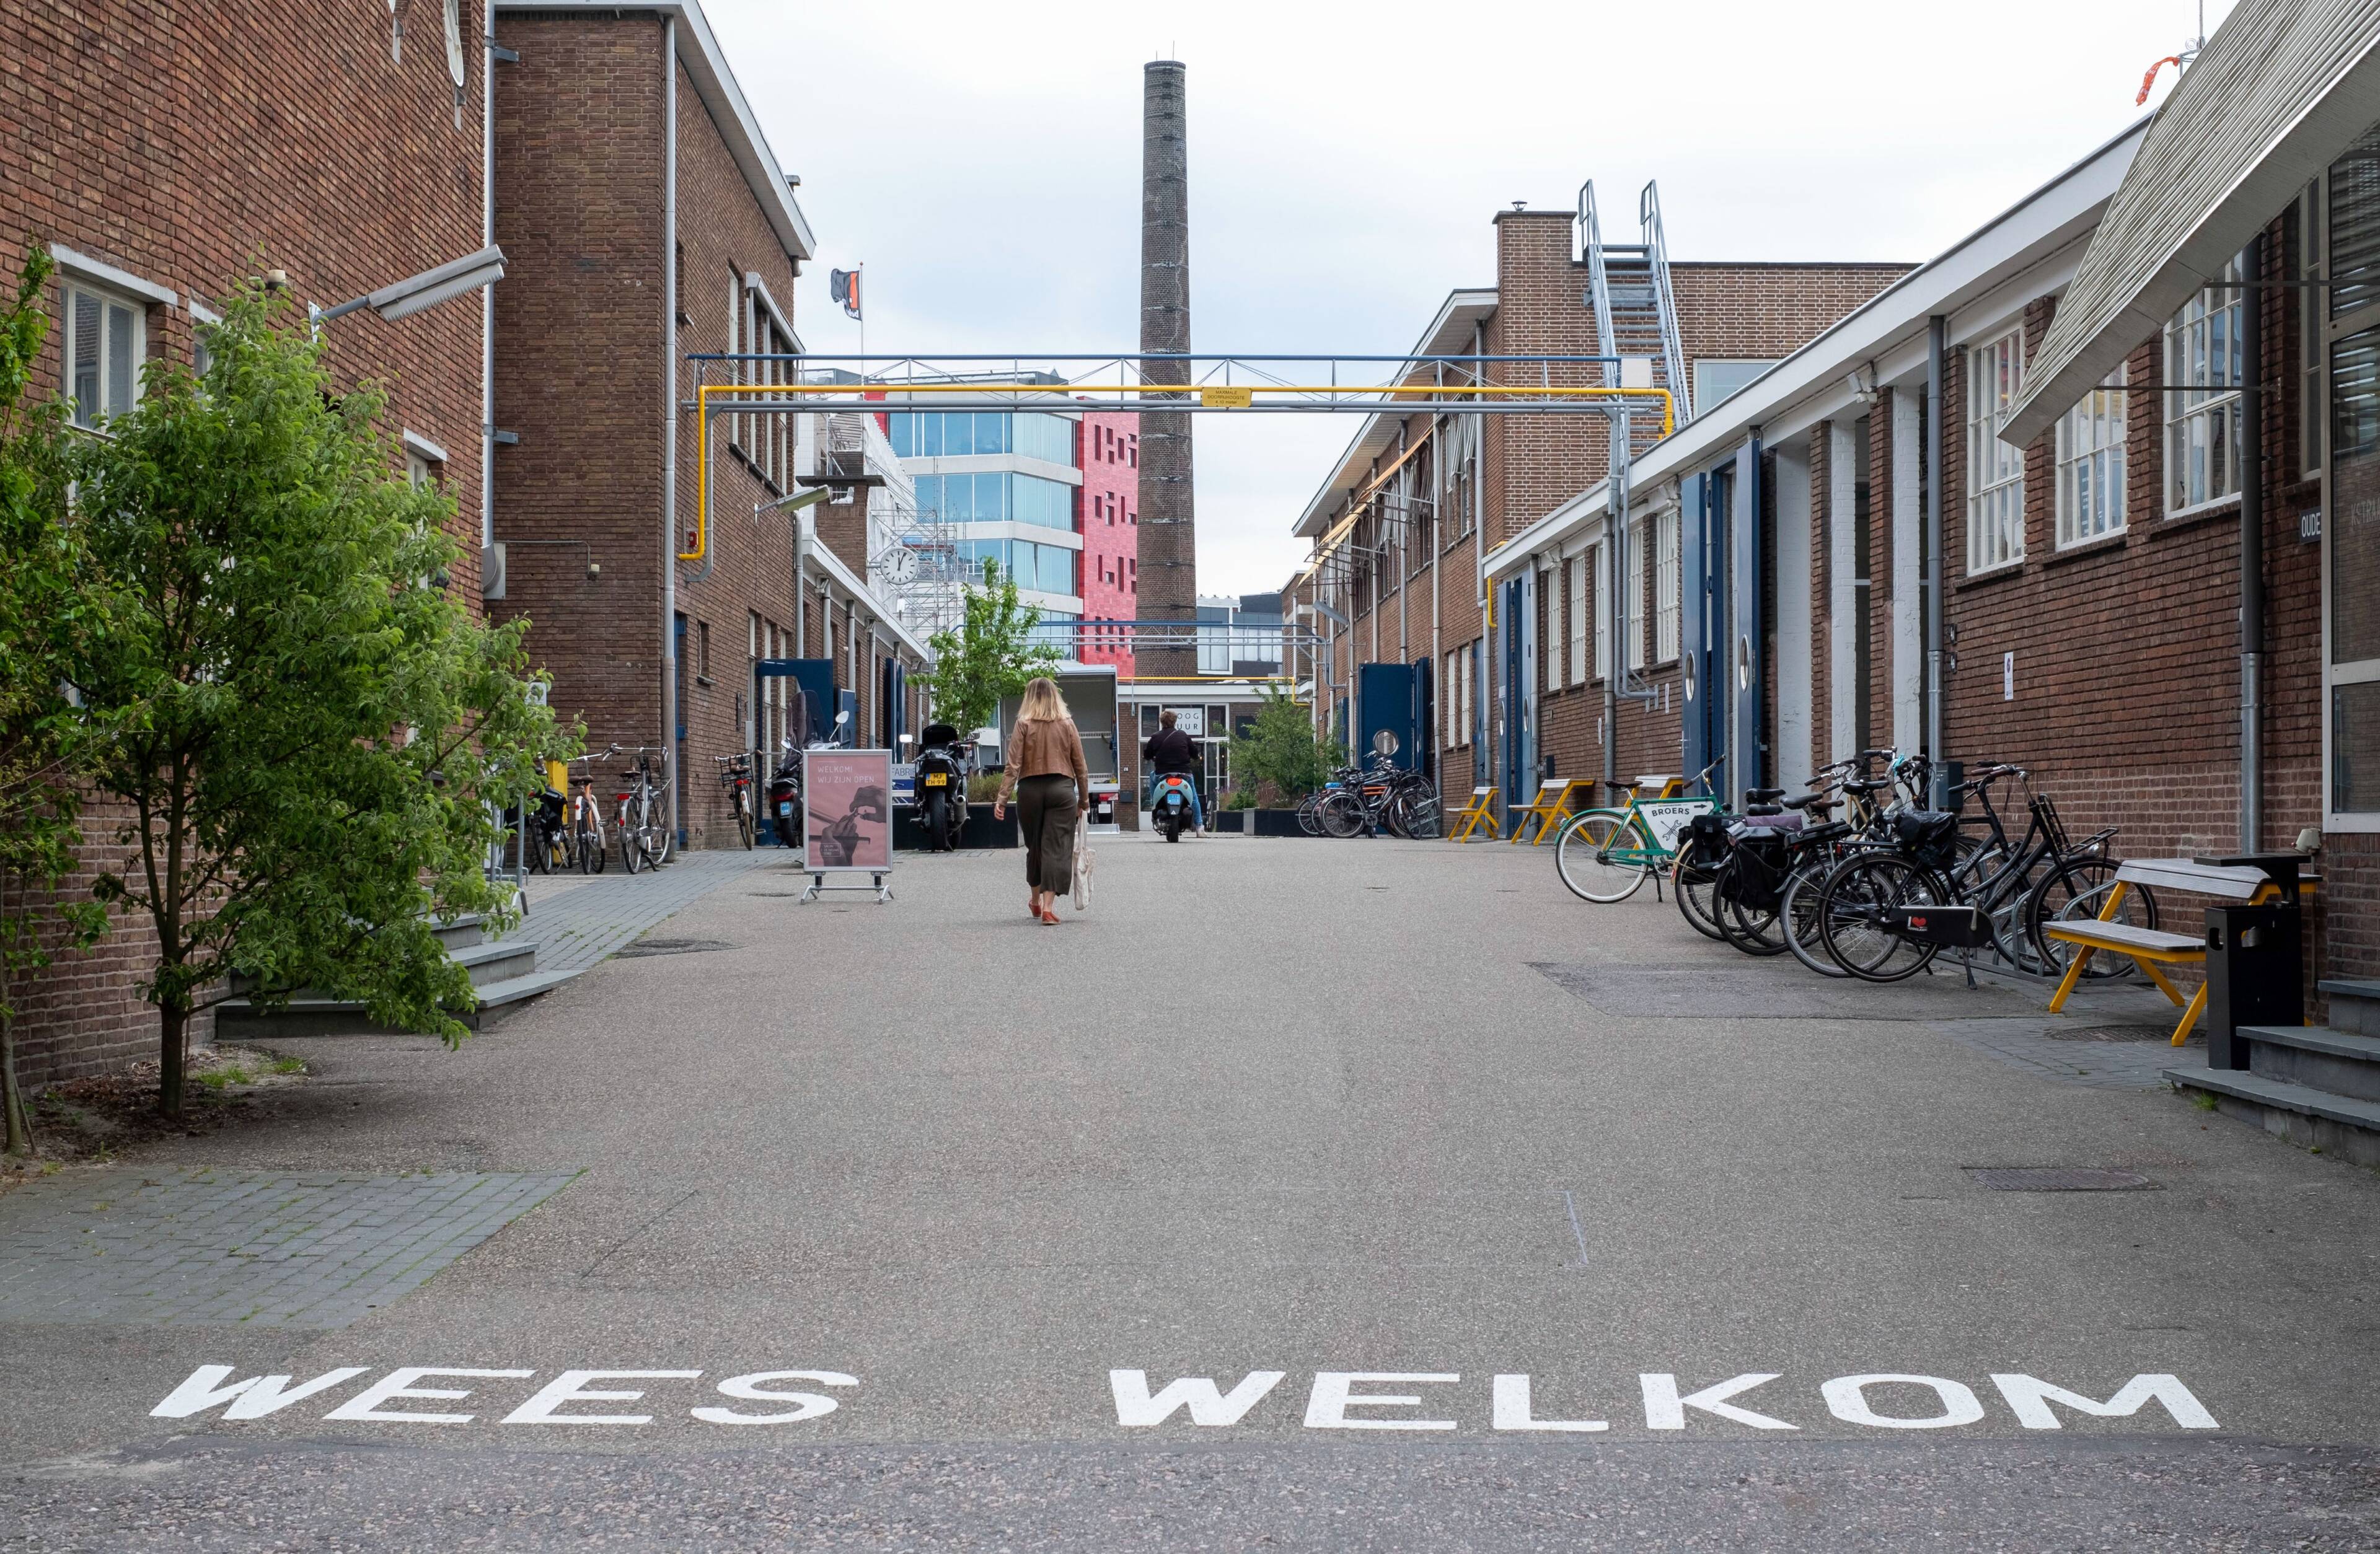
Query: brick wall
[{"x": 193, "y": 147}]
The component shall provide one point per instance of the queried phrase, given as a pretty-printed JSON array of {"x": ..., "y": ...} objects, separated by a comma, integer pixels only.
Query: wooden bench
[
  {"x": 1480, "y": 811},
  {"x": 1664, "y": 784},
  {"x": 2152, "y": 948},
  {"x": 1552, "y": 806}
]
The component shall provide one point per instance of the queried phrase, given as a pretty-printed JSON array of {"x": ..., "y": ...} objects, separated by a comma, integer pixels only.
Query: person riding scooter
[{"x": 1170, "y": 750}]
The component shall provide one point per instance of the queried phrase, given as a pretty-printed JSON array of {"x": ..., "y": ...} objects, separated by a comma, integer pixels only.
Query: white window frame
[
  {"x": 2092, "y": 482},
  {"x": 1598, "y": 562},
  {"x": 1640, "y": 543},
  {"x": 1995, "y": 471},
  {"x": 2206, "y": 329},
  {"x": 1549, "y": 589},
  {"x": 2335, "y": 329},
  {"x": 1581, "y": 616},
  {"x": 106, "y": 301},
  {"x": 1666, "y": 585}
]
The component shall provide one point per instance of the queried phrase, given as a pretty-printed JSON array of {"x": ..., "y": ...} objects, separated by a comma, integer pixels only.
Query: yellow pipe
[{"x": 800, "y": 391}]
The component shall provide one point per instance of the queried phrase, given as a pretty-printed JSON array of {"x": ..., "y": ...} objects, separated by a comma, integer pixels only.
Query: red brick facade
[
  {"x": 1109, "y": 514},
  {"x": 192, "y": 150}
]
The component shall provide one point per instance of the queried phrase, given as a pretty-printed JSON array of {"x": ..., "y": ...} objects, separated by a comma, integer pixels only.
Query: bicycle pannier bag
[
  {"x": 1929, "y": 838},
  {"x": 1753, "y": 874}
]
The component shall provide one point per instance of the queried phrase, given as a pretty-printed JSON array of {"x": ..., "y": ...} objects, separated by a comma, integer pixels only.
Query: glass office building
[{"x": 1008, "y": 486}]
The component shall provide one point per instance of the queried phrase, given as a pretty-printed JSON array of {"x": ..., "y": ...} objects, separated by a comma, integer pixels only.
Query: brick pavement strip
[
  {"x": 263, "y": 1248},
  {"x": 577, "y": 927}
]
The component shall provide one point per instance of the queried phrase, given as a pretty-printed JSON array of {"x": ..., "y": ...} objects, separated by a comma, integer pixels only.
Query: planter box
[
  {"x": 1259, "y": 822},
  {"x": 980, "y": 830}
]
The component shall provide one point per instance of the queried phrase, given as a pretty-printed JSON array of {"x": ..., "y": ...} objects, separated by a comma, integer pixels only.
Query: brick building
[
  {"x": 2121, "y": 482},
  {"x": 1111, "y": 521},
  {"x": 1421, "y": 508},
  {"x": 164, "y": 160},
  {"x": 648, "y": 223}
]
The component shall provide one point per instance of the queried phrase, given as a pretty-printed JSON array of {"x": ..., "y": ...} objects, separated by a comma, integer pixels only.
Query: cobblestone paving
[
  {"x": 264, "y": 1249},
  {"x": 2108, "y": 1065},
  {"x": 577, "y": 924}
]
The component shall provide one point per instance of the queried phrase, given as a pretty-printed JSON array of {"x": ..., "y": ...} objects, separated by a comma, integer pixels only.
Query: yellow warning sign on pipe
[{"x": 1223, "y": 396}]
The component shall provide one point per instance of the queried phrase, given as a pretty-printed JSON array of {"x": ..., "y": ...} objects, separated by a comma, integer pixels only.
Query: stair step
[
  {"x": 496, "y": 960},
  {"x": 462, "y": 932},
  {"x": 2354, "y": 1004},
  {"x": 330, "y": 1016},
  {"x": 2342, "y": 1063},
  {"x": 501, "y": 995},
  {"x": 2337, "y": 1125}
]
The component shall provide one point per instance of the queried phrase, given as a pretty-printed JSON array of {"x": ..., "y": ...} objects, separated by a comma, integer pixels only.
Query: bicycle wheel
[
  {"x": 2076, "y": 889},
  {"x": 590, "y": 846},
  {"x": 1339, "y": 815},
  {"x": 1584, "y": 857},
  {"x": 1798, "y": 917},
  {"x": 1417, "y": 814},
  {"x": 559, "y": 855},
  {"x": 1695, "y": 875},
  {"x": 1306, "y": 821},
  {"x": 743, "y": 821},
  {"x": 1754, "y": 931},
  {"x": 632, "y": 855},
  {"x": 1851, "y": 916}
]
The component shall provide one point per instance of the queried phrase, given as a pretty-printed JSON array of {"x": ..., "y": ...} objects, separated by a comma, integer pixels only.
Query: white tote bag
[{"x": 1084, "y": 859}]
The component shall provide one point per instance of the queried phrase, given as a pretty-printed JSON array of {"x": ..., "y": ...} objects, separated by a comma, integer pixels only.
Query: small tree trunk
[
  {"x": 171, "y": 1058},
  {"x": 12, "y": 1098}
]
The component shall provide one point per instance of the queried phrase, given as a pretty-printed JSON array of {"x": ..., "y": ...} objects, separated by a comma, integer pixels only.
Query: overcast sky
[{"x": 984, "y": 162}]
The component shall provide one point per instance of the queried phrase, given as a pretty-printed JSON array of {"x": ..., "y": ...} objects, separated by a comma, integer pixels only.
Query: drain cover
[
  {"x": 2057, "y": 1178},
  {"x": 2109, "y": 1033},
  {"x": 669, "y": 947}
]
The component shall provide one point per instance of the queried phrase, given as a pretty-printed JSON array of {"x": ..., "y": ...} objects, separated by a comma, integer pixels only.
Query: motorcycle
[
  {"x": 941, "y": 768},
  {"x": 1172, "y": 805},
  {"x": 785, "y": 796}
]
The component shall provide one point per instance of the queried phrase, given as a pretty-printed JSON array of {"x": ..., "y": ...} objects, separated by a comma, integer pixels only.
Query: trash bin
[{"x": 2253, "y": 976}]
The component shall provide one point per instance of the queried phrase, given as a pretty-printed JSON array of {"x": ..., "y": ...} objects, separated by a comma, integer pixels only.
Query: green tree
[
  {"x": 45, "y": 604},
  {"x": 991, "y": 655},
  {"x": 1283, "y": 747},
  {"x": 313, "y": 735}
]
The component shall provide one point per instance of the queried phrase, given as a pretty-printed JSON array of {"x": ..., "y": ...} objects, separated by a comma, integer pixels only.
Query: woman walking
[{"x": 1046, "y": 772}]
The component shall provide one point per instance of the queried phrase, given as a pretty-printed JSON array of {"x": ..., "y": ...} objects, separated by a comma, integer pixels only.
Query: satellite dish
[{"x": 454, "y": 59}]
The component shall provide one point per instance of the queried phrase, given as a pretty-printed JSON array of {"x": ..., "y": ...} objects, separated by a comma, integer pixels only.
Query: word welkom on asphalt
[{"x": 1334, "y": 1400}]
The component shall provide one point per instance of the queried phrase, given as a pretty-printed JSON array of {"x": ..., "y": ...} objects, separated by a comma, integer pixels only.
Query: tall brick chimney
[{"x": 1169, "y": 521}]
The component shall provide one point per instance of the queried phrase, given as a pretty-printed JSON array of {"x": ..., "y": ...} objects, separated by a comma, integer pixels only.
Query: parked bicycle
[
  {"x": 585, "y": 828},
  {"x": 640, "y": 818},
  {"x": 735, "y": 776},
  {"x": 1606, "y": 855}
]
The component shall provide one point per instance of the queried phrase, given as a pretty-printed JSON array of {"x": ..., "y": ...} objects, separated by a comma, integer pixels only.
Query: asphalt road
[{"x": 1134, "y": 1232}]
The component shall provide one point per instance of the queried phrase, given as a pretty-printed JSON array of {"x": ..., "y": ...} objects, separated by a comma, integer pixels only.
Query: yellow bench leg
[
  {"x": 2164, "y": 983},
  {"x": 2073, "y": 975},
  {"x": 2189, "y": 1015}
]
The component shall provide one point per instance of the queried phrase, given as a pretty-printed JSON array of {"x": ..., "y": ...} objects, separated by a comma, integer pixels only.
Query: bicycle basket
[
  {"x": 1929, "y": 838},
  {"x": 1753, "y": 874}
]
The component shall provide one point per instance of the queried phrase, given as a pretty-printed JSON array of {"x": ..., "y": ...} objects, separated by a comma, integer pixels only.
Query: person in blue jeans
[{"x": 1170, "y": 749}]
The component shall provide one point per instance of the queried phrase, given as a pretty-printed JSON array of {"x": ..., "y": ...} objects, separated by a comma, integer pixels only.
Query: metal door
[
  {"x": 1384, "y": 704},
  {"x": 1746, "y": 654}
]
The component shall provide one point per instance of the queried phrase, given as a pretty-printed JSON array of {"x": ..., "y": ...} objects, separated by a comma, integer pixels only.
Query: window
[
  {"x": 2351, "y": 530},
  {"x": 103, "y": 344},
  {"x": 702, "y": 652},
  {"x": 1578, "y": 617},
  {"x": 1132, "y": 446},
  {"x": 1995, "y": 471},
  {"x": 1596, "y": 564},
  {"x": 2091, "y": 465},
  {"x": 2201, "y": 401},
  {"x": 1665, "y": 586},
  {"x": 1639, "y": 540},
  {"x": 1716, "y": 378}
]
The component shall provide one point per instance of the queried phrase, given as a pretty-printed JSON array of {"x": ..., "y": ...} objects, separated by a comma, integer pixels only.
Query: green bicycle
[{"x": 1607, "y": 855}]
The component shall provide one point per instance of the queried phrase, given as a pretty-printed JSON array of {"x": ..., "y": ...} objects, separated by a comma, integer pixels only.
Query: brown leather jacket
[{"x": 1038, "y": 748}]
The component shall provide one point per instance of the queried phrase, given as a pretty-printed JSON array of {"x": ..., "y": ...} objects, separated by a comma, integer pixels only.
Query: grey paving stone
[{"x": 301, "y": 1250}]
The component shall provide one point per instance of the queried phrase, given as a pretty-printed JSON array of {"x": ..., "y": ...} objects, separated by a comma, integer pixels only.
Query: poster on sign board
[{"x": 847, "y": 811}]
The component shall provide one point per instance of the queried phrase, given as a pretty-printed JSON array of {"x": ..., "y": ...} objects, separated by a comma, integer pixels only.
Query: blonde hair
[{"x": 1042, "y": 704}]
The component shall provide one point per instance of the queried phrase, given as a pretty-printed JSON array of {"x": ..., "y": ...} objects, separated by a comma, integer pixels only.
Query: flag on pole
[{"x": 844, "y": 285}]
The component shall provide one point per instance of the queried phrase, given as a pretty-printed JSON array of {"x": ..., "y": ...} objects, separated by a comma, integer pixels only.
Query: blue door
[{"x": 1384, "y": 704}]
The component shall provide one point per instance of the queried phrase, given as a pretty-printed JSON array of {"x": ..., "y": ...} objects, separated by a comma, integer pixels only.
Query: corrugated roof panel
[{"x": 2281, "y": 89}]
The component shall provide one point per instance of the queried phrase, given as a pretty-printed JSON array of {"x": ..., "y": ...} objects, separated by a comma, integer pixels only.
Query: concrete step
[
  {"x": 2343, "y": 1063},
  {"x": 496, "y": 997},
  {"x": 2354, "y": 1004},
  {"x": 497, "y": 960},
  {"x": 2336, "y": 1125},
  {"x": 316, "y": 1014},
  {"x": 462, "y": 932}
]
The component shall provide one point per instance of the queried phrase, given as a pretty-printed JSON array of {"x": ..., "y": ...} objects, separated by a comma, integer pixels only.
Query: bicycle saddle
[
  {"x": 1763, "y": 795},
  {"x": 1868, "y": 785},
  {"x": 1764, "y": 808},
  {"x": 1811, "y": 803}
]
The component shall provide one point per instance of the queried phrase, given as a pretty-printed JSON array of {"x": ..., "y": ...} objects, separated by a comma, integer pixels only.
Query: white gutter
[{"x": 669, "y": 419}]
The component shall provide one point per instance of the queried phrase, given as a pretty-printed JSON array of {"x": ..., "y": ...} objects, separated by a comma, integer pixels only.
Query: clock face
[{"x": 901, "y": 564}]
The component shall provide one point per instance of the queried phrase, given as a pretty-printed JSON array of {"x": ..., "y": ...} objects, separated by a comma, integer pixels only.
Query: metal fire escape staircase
[{"x": 1636, "y": 319}]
